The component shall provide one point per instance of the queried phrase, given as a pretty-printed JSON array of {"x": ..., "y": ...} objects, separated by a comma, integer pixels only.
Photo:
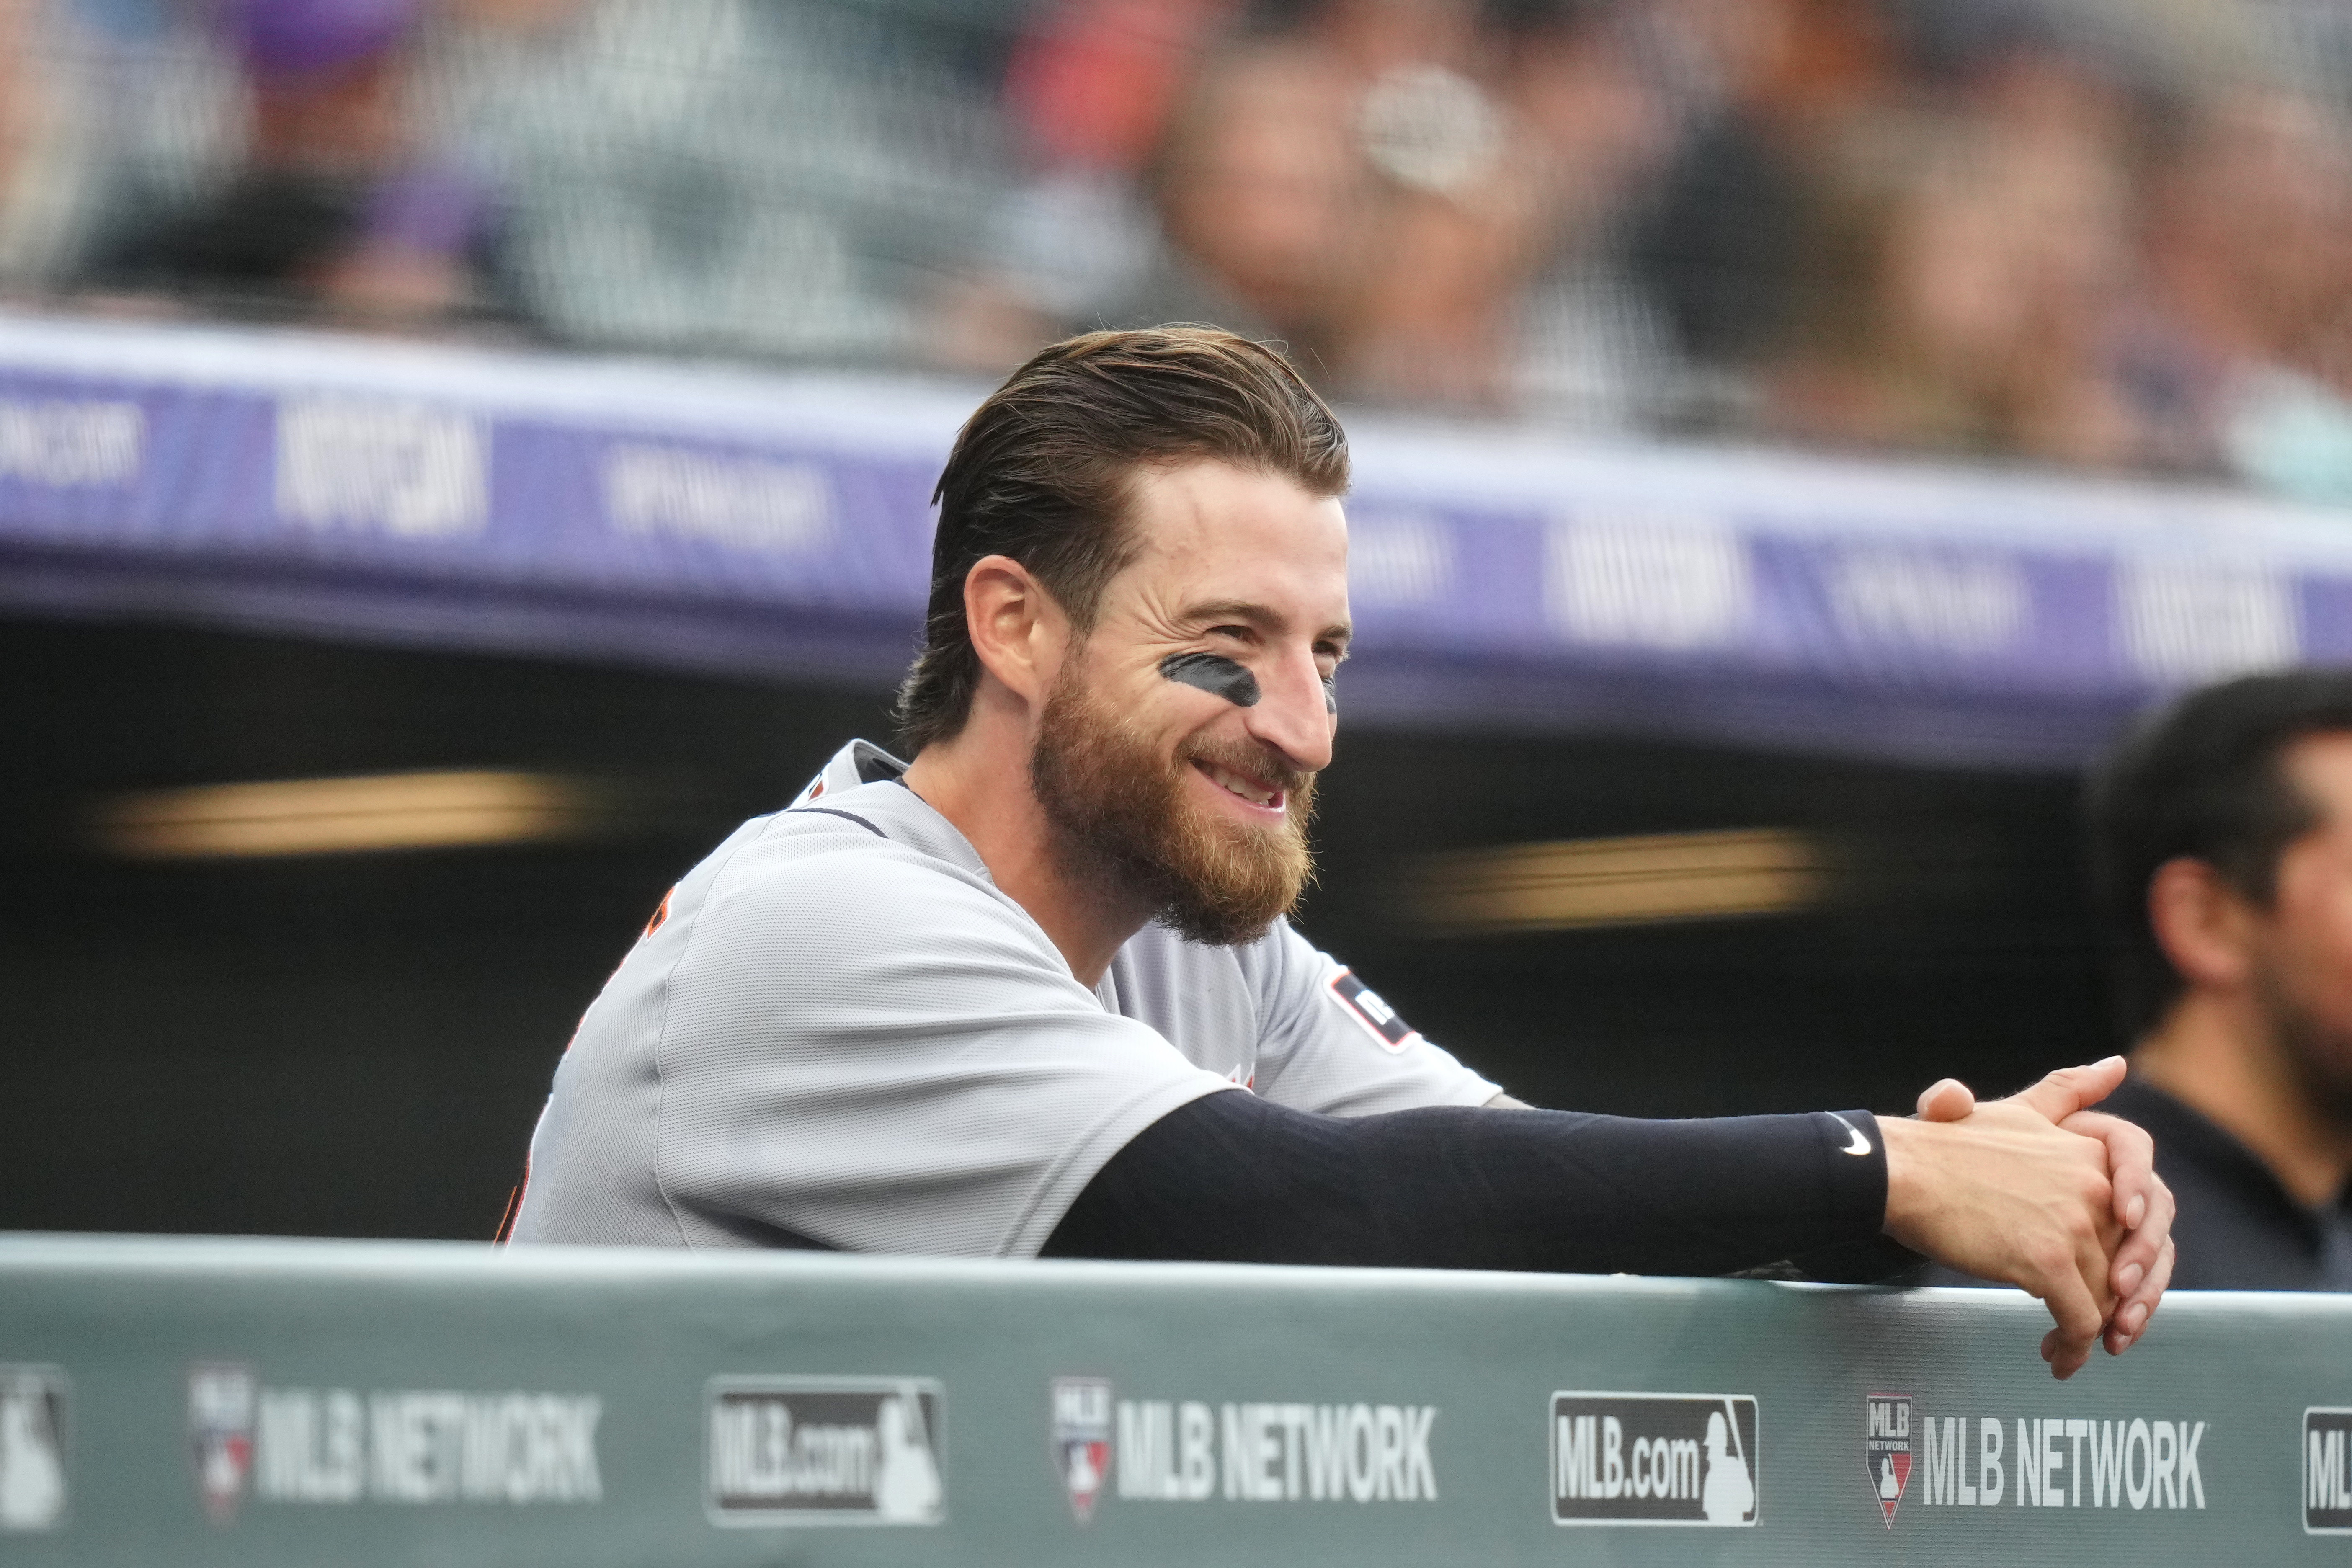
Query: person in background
[
  {"x": 1089, "y": 88},
  {"x": 1415, "y": 196},
  {"x": 23, "y": 108},
  {"x": 1262, "y": 199},
  {"x": 1184, "y": 161},
  {"x": 1774, "y": 85},
  {"x": 2222, "y": 835},
  {"x": 1587, "y": 344},
  {"x": 340, "y": 208},
  {"x": 1500, "y": 161},
  {"x": 52, "y": 105},
  {"x": 1955, "y": 294},
  {"x": 1273, "y": 157},
  {"x": 2237, "y": 358}
]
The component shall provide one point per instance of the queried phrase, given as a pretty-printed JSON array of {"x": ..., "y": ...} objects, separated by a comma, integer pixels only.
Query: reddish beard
[{"x": 1120, "y": 809}]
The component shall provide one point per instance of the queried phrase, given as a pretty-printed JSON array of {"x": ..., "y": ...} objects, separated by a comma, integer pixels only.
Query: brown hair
[{"x": 1042, "y": 471}]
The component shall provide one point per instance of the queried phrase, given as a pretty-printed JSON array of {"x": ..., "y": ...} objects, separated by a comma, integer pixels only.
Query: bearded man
[{"x": 1035, "y": 992}]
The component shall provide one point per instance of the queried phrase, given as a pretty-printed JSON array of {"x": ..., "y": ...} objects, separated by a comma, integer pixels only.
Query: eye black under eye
[{"x": 1214, "y": 673}]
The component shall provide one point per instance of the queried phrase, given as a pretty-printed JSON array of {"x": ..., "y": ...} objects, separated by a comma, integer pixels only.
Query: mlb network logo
[
  {"x": 221, "y": 1403},
  {"x": 1886, "y": 1452},
  {"x": 1082, "y": 1439}
]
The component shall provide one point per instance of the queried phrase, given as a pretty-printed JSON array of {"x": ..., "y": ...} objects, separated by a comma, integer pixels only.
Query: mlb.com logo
[
  {"x": 2326, "y": 1471},
  {"x": 1655, "y": 1459},
  {"x": 33, "y": 1493},
  {"x": 802, "y": 1451}
]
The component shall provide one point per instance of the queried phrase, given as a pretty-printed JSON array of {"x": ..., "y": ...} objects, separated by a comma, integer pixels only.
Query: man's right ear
[
  {"x": 1018, "y": 632},
  {"x": 2204, "y": 925}
]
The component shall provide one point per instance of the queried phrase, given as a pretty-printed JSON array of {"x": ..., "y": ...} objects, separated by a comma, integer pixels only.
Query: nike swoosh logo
[{"x": 1860, "y": 1145}]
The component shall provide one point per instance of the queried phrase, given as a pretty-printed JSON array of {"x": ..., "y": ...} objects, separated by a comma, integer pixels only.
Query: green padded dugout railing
[{"x": 259, "y": 1403}]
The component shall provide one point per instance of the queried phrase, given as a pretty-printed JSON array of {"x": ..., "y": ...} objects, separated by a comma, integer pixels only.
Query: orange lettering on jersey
[{"x": 661, "y": 914}]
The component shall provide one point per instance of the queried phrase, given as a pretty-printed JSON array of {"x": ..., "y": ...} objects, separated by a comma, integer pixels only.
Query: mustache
[{"x": 1259, "y": 762}]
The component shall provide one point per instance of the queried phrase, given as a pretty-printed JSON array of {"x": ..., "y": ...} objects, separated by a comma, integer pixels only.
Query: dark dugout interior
[{"x": 358, "y": 1044}]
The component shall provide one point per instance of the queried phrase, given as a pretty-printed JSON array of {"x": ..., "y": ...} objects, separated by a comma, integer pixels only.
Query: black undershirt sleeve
[{"x": 1234, "y": 1178}]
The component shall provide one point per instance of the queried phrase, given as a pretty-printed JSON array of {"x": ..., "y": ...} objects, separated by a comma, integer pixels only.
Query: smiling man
[{"x": 1036, "y": 993}]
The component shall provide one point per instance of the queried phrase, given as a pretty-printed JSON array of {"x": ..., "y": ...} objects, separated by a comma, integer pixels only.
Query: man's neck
[
  {"x": 985, "y": 792},
  {"x": 2222, "y": 1058}
]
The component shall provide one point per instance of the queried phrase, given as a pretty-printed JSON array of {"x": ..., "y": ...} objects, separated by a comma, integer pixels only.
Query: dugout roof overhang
[{"x": 779, "y": 524}]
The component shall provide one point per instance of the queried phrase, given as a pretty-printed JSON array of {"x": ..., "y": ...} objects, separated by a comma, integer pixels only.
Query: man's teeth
[{"x": 1241, "y": 786}]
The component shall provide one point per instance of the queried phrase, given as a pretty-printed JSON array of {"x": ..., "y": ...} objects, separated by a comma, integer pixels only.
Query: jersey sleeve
[
  {"x": 1330, "y": 1044},
  {"x": 869, "y": 1051}
]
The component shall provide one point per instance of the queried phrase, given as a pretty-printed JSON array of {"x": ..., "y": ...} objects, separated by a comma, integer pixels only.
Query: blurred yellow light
[
  {"x": 346, "y": 816},
  {"x": 1625, "y": 882}
]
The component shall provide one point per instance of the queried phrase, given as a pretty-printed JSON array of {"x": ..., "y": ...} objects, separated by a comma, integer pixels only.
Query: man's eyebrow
[{"x": 1255, "y": 614}]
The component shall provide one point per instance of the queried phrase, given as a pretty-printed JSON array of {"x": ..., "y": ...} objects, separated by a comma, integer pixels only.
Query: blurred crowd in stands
[{"x": 2108, "y": 234}]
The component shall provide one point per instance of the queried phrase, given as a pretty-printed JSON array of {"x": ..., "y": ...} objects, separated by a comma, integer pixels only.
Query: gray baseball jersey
[{"x": 837, "y": 1032}]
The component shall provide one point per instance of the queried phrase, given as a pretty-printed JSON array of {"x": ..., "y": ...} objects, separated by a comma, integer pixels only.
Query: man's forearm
[{"x": 1235, "y": 1178}]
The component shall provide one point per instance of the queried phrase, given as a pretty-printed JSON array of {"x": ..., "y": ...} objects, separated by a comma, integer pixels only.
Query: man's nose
[{"x": 1292, "y": 714}]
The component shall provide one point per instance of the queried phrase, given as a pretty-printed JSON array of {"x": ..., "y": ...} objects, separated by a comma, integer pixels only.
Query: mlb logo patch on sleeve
[{"x": 1364, "y": 1004}]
